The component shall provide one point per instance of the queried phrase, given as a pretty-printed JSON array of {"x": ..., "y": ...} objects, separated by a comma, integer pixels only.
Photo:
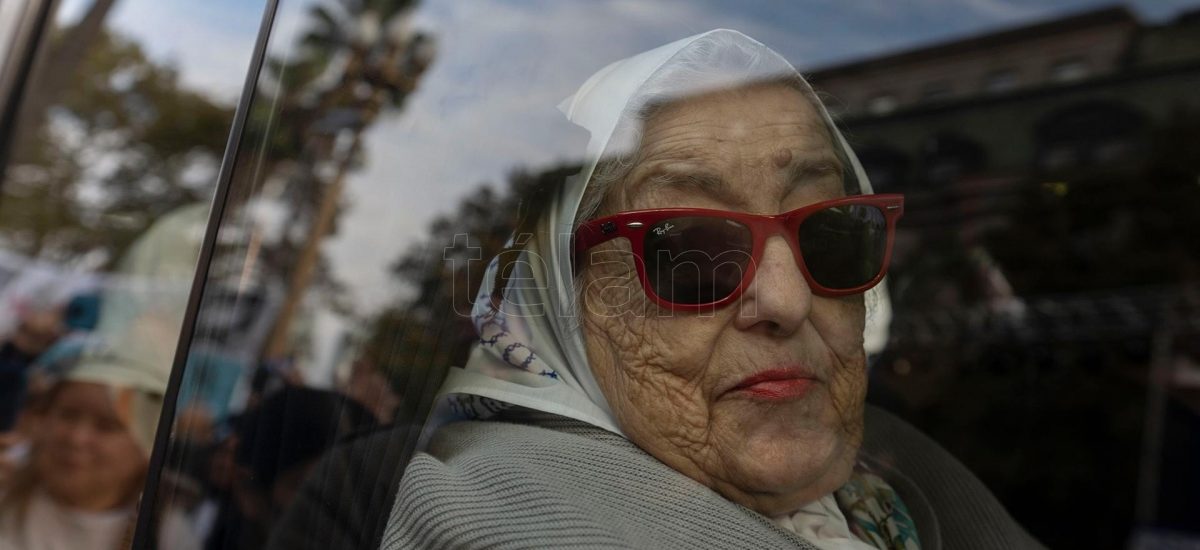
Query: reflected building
[
  {"x": 1043, "y": 273},
  {"x": 1004, "y": 133},
  {"x": 1064, "y": 51},
  {"x": 1057, "y": 98}
]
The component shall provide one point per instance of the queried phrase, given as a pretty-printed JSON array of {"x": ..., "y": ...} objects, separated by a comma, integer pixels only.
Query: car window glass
[
  {"x": 110, "y": 169},
  {"x": 1042, "y": 296}
]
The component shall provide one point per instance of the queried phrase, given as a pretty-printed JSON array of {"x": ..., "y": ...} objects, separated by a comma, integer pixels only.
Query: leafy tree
[
  {"x": 417, "y": 338},
  {"x": 122, "y": 143},
  {"x": 358, "y": 60}
]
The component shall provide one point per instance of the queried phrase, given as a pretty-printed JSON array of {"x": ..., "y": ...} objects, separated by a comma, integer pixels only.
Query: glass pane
[
  {"x": 104, "y": 200},
  {"x": 1036, "y": 323}
]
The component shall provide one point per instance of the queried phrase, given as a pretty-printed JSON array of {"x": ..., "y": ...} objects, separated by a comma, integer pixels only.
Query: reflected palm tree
[
  {"x": 107, "y": 137},
  {"x": 360, "y": 59}
]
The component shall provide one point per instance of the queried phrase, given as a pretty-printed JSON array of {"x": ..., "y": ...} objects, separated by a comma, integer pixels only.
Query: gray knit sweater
[{"x": 538, "y": 481}]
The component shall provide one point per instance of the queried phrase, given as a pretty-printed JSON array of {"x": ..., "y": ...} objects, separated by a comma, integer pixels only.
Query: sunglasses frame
[{"x": 633, "y": 225}]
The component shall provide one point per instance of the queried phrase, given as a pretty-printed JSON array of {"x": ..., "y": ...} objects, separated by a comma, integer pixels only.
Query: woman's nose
[
  {"x": 778, "y": 300},
  {"x": 76, "y": 434}
]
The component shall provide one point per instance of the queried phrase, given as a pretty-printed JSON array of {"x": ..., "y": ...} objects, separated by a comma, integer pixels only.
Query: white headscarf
[
  {"x": 133, "y": 346},
  {"x": 531, "y": 352}
]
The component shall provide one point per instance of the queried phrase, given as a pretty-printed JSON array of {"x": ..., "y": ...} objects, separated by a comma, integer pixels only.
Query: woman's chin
[{"x": 792, "y": 465}]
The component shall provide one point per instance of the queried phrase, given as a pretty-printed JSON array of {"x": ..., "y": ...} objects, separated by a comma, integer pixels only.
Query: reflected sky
[
  {"x": 488, "y": 104},
  {"x": 200, "y": 38}
]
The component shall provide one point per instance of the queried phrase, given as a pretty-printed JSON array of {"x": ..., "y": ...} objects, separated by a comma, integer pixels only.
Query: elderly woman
[{"x": 675, "y": 358}]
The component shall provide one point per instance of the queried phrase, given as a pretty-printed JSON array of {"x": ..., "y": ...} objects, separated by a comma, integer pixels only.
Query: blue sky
[
  {"x": 209, "y": 41},
  {"x": 207, "y": 38}
]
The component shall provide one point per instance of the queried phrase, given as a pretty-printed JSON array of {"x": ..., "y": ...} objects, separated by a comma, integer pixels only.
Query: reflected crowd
[
  {"x": 85, "y": 372},
  {"x": 87, "y": 378}
]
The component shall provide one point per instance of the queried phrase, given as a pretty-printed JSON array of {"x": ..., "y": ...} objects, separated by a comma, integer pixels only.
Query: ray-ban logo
[{"x": 660, "y": 231}]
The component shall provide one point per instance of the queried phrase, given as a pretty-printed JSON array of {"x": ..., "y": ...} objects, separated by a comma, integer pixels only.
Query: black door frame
[{"x": 145, "y": 534}]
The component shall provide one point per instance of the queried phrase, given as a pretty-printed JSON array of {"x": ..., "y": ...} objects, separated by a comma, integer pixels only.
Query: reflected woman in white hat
[{"x": 92, "y": 431}]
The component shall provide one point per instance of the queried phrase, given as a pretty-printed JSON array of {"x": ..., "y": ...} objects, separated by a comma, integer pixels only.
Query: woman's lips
[{"x": 776, "y": 384}]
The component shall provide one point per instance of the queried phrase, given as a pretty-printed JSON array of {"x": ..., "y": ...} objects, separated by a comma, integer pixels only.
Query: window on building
[
  {"x": 882, "y": 104},
  {"x": 1092, "y": 135},
  {"x": 1069, "y": 70},
  {"x": 939, "y": 90},
  {"x": 1000, "y": 80},
  {"x": 946, "y": 158}
]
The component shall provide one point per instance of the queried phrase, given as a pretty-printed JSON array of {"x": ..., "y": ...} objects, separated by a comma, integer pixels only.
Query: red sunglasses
[{"x": 692, "y": 258}]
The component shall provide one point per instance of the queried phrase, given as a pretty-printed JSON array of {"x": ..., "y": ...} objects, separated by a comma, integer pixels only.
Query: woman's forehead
[
  {"x": 85, "y": 395},
  {"x": 770, "y": 135},
  {"x": 758, "y": 124}
]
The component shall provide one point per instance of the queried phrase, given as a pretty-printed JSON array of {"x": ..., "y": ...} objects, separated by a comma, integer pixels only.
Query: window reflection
[
  {"x": 1069, "y": 70},
  {"x": 882, "y": 104},
  {"x": 388, "y": 153},
  {"x": 1000, "y": 81},
  {"x": 104, "y": 200}
]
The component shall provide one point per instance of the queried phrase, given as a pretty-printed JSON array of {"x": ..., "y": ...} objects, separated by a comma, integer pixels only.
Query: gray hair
[{"x": 611, "y": 172}]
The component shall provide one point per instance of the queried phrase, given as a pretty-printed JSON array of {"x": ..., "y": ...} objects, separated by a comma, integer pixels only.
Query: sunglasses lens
[
  {"x": 696, "y": 260},
  {"x": 844, "y": 246}
]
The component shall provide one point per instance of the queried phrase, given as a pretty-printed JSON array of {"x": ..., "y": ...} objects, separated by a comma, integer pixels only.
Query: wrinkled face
[
  {"x": 84, "y": 455},
  {"x": 676, "y": 381}
]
